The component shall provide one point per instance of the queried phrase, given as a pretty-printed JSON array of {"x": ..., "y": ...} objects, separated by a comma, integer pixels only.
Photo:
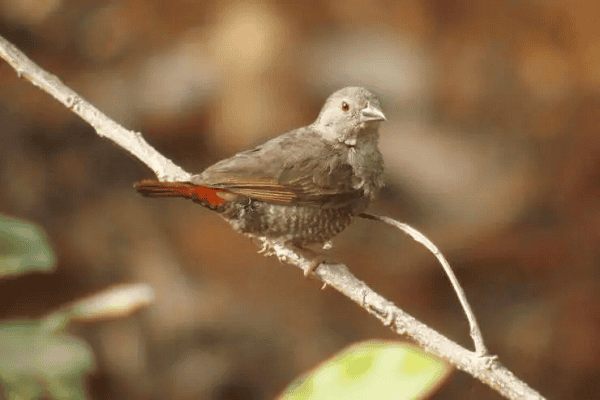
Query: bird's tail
[{"x": 208, "y": 197}]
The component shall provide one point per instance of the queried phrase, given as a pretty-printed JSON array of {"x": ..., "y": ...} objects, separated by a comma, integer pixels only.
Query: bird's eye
[{"x": 345, "y": 106}]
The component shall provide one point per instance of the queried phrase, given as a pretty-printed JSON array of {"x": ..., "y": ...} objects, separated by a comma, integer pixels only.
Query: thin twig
[
  {"x": 419, "y": 237},
  {"x": 337, "y": 276}
]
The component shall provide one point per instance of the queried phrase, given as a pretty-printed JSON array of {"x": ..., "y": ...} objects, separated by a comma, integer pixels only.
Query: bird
[{"x": 300, "y": 188}]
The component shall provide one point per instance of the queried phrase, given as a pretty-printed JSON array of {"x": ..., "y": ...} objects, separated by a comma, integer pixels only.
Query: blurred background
[{"x": 492, "y": 150}]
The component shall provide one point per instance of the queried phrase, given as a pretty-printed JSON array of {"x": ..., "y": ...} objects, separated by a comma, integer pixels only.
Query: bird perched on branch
[{"x": 302, "y": 187}]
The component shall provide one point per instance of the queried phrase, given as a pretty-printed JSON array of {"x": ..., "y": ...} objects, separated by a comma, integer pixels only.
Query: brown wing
[{"x": 297, "y": 167}]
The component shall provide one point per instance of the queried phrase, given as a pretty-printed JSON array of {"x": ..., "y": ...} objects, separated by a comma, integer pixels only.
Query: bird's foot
[
  {"x": 314, "y": 263},
  {"x": 266, "y": 247},
  {"x": 315, "y": 258}
]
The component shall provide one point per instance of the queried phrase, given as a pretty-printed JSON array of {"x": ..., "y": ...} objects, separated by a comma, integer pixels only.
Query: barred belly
[{"x": 301, "y": 224}]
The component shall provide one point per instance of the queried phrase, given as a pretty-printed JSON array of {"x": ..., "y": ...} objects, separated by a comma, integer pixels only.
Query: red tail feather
[{"x": 206, "y": 196}]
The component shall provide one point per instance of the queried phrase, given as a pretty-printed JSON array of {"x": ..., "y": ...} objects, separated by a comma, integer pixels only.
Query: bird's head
[{"x": 349, "y": 111}]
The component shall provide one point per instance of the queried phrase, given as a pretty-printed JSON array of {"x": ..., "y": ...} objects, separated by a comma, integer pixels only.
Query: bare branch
[
  {"x": 337, "y": 276},
  {"x": 131, "y": 141}
]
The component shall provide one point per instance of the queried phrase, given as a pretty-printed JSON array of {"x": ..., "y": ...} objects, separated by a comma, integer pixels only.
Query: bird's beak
[{"x": 370, "y": 113}]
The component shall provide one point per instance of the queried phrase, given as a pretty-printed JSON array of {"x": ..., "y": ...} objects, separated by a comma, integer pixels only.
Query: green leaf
[
  {"x": 39, "y": 360},
  {"x": 372, "y": 370},
  {"x": 23, "y": 248}
]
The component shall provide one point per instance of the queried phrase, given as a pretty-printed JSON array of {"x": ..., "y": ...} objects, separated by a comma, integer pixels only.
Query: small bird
[{"x": 302, "y": 187}]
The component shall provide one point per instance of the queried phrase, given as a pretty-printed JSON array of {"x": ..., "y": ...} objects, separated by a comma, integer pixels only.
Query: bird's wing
[{"x": 298, "y": 167}]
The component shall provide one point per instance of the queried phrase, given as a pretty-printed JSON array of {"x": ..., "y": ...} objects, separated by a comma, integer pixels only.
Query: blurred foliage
[
  {"x": 23, "y": 248},
  {"x": 372, "y": 370},
  {"x": 37, "y": 357},
  {"x": 40, "y": 359}
]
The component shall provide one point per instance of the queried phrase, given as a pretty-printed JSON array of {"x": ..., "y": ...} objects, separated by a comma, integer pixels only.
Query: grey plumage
[{"x": 304, "y": 186}]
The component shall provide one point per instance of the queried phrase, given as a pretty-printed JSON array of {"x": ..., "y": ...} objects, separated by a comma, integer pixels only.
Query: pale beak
[{"x": 370, "y": 113}]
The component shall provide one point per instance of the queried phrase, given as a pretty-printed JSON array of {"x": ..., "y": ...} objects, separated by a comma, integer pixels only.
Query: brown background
[{"x": 492, "y": 149}]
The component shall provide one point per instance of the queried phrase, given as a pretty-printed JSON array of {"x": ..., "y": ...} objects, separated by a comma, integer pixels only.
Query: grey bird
[{"x": 302, "y": 187}]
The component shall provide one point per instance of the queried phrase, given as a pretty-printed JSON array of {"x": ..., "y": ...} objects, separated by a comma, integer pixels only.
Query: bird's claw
[
  {"x": 266, "y": 248},
  {"x": 313, "y": 265}
]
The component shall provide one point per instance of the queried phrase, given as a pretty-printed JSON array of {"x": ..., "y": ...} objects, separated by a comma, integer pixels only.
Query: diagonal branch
[
  {"x": 131, "y": 141},
  {"x": 338, "y": 276}
]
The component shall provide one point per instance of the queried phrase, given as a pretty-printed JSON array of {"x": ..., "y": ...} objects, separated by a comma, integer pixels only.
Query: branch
[
  {"x": 486, "y": 369},
  {"x": 419, "y": 237},
  {"x": 131, "y": 141}
]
